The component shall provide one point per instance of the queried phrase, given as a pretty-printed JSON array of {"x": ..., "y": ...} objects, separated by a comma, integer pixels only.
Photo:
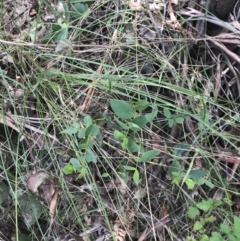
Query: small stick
[
  {"x": 217, "y": 78},
  {"x": 160, "y": 223},
  {"x": 225, "y": 50}
]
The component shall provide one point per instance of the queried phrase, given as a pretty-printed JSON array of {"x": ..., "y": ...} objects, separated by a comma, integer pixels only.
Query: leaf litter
[{"x": 133, "y": 192}]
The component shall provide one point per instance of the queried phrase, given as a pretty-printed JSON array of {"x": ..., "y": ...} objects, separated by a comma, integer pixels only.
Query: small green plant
[
  {"x": 130, "y": 121},
  {"x": 180, "y": 175},
  {"x": 225, "y": 231},
  {"x": 135, "y": 173},
  {"x": 171, "y": 118},
  {"x": 65, "y": 14},
  {"x": 85, "y": 136}
]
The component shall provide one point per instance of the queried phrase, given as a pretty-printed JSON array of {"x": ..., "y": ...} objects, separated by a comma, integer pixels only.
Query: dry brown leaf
[
  {"x": 54, "y": 198},
  {"x": 118, "y": 184},
  {"x": 140, "y": 193},
  {"x": 35, "y": 180},
  {"x": 47, "y": 190}
]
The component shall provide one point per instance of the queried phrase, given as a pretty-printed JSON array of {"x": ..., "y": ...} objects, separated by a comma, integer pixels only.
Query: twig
[
  {"x": 173, "y": 18},
  {"x": 229, "y": 156},
  {"x": 217, "y": 78},
  {"x": 201, "y": 24},
  {"x": 53, "y": 205},
  {"x": 225, "y": 50},
  {"x": 11, "y": 119},
  {"x": 197, "y": 15},
  {"x": 6, "y": 121},
  {"x": 155, "y": 25},
  {"x": 159, "y": 224}
]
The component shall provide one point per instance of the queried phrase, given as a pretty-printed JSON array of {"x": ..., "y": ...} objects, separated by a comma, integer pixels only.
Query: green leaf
[
  {"x": 231, "y": 238},
  {"x": 197, "y": 226},
  {"x": 4, "y": 192},
  {"x": 136, "y": 177},
  {"x": 99, "y": 139},
  {"x": 225, "y": 228},
  {"x": 124, "y": 143},
  {"x": 217, "y": 203},
  {"x": 196, "y": 174},
  {"x": 82, "y": 173},
  {"x": 134, "y": 127},
  {"x": 205, "y": 205},
  {"x": 141, "y": 121},
  {"x": 193, "y": 212},
  {"x": 200, "y": 181},
  {"x": 95, "y": 130},
  {"x": 90, "y": 156},
  {"x": 175, "y": 167},
  {"x": 124, "y": 126},
  {"x": 85, "y": 143},
  {"x": 78, "y": 10},
  {"x": 141, "y": 105},
  {"x": 180, "y": 149},
  {"x": 132, "y": 146},
  {"x": 210, "y": 219},
  {"x": 216, "y": 237},
  {"x": 170, "y": 123},
  {"x": 152, "y": 115},
  {"x": 228, "y": 201},
  {"x": 188, "y": 238},
  {"x": 122, "y": 109},
  {"x": 76, "y": 164},
  {"x": 124, "y": 176},
  {"x": 209, "y": 184},
  {"x": 204, "y": 237},
  {"x": 60, "y": 32},
  {"x": 92, "y": 130},
  {"x": 190, "y": 183},
  {"x": 179, "y": 120},
  {"x": 176, "y": 179},
  {"x": 66, "y": 9},
  {"x": 236, "y": 226},
  {"x": 81, "y": 133},
  {"x": 129, "y": 168},
  {"x": 119, "y": 135},
  {"x": 87, "y": 120},
  {"x": 68, "y": 169},
  {"x": 167, "y": 113},
  {"x": 105, "y": 175},
  {"x": 149, "y": 155},
  {"x": 73, "y": 129}
]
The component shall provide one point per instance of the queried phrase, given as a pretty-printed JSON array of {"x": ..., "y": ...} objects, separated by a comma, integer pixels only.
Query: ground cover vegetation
[{"x": 119, "y": 120}]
